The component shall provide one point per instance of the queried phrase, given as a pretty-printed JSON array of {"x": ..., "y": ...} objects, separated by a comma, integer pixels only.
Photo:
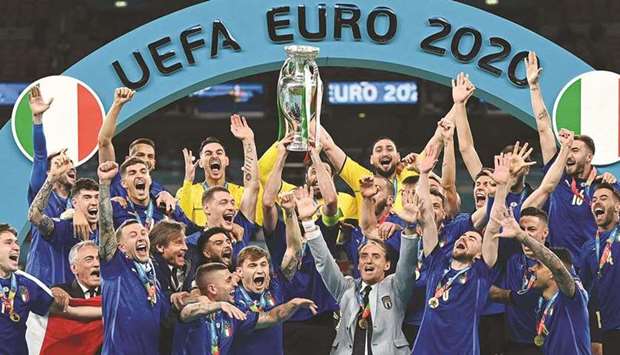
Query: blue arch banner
[{"x": 218, "y": 41}]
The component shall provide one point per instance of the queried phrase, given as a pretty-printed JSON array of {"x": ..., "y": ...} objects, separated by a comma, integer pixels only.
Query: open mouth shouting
[
  {"x": 142, "y": 250},
  {"x": 385, "y": 162},
  {"x": 461, "y": 245},
  {"x": 92, "y": 212},
  {"x": 228, "y": 218},
  {"x": 227, "y": 255},
  {"x": 95, "y": 273},
  {"x": 215, "y": 166},
  {"x": 71, "y": 174},
  {"x": 140, "y": 185},
  {"x": 480, "y": 197},
  {"x": 14, "y": 258},
  {"x": 370, "y": 268},
  {"x": 259, "y": 281},
  {"x": 598, "y": 210}
]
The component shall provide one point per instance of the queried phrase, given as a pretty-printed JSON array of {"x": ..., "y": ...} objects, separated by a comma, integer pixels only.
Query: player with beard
[
  {"x": 210, "y": 325},
  {"x": 53, "y": 238},
  {"x": 520, "y": 297},
  {"x": 142, "y": 148},
  {"x": 304, "y": 333},
  {"x": 458, "y": 283},
  {"x": 598, "y": 270},
  {"x": 214, "y": 161},
  {"x": 215, "y": 245},
  {"x": 132, "y": 297},
  {"x": 562, "y": 314},
  {"x": 20, "y": 294},
  {"x": 136, "y": 180}
]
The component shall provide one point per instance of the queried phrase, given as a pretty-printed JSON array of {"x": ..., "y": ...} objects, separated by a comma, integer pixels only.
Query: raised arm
[
  {"x": 554, "y": 175},
  {"x": 107, "y": 238},
  {"x": 106, "y": 133},
  {"x": 501, "y": 176},
  {"x": 543, "y": 120},
  {"x": 292, "y": 254},
  {"x": 242, "y": 131},
  {"x": 334, "y": 153},
  {"x": 462, "y": 90},
  {"x": 326, "y": 185},
  {"x": 35, "y": 214},
  {"x": 283, "y": 312},
  {"x": 204, "y": 306},
  {"x": 448, "y": 166},
  {"x": 423, "y": 193},
  {"x": 368, "y": 219},
  {"x": 274, "y": 182},
  {"x": 39, "y": 164},
  {"x": 511, "y": 229}
]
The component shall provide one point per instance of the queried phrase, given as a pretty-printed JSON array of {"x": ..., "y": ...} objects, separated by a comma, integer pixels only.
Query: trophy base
[{"x": 298, "y": 147}]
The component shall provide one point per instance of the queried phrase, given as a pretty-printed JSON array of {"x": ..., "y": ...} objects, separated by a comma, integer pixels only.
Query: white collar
[{"x": 84, "y": 288}]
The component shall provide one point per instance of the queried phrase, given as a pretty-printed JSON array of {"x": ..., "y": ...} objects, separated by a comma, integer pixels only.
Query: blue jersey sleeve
[
  {"x": 114, "y": 267},
  {"x": 39, "y": 162},
  {"x": 249, "y": 228},
  {"x": 276, "y": 244},
  {"x": 246, "y": 326},
  {"x": 179, "y": 216},
  {"x": 584, "y": 265},
  {"x": 62, "y": 234},
  {"x": 156, "y": 189},
  {"x": 40, "y": 298}
]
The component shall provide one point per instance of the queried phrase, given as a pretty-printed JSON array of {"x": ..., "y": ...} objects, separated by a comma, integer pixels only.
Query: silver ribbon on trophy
[{"x": 300, "y": 92}]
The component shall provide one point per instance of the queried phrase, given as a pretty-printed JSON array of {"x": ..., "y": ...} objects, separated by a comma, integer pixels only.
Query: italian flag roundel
[
  {"x": 590, "y": 104},
  {"x": 72, "y": 121}
]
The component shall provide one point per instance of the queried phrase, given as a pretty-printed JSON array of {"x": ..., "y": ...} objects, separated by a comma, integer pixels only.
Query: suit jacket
[
  {"x": 392, "y": 296},
  {"x": 162, "y": 271},
  {"x": 73, "y": 289}
]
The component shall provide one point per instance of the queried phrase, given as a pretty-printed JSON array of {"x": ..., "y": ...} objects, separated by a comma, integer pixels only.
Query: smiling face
[
  {"x": 220, "y": 210},
  {"x": 605, "y": 208},
  {"x": 483, "y": 186},
  {"x": 535, "y": 228},
  {"x": 174, "y": 252},
  {"x": 255, "y": 274},
  {"x": 579, "y": 158},
  {"x": 543, "y": 276},
  {"x": 86, "y": 266},
  {"x": 373, "y": 263},
  {"x": 218, "y": 248},
  {"x": 9, "y": 252},
  {"x": 145, "y": 152},
  {"x": 214, "y": 161},
  {"x": 134, "y": 242},
  {"x": 467, "y": 247},
  {"x": 384, "y": 157},
  {"x": 87, "y": 202},
  {"x": 137, "y": 181},
  {"x": 221, "y": 286}
]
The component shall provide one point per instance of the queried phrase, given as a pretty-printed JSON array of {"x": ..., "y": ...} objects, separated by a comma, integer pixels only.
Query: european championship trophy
[{"x": 300, "y": 91}]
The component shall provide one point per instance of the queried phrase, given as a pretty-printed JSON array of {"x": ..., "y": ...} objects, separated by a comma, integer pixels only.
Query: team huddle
[{"x": 529, "y": 271}]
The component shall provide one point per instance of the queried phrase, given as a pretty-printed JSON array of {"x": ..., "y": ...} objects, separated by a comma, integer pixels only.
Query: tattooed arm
[
  {"x": 283, "y": 312},
  {"x": 42, "y": 222},
  {"x": 107, "y": 238},
  {"x": 240, "y": 129},
  {"x": 292, "y": 255}
]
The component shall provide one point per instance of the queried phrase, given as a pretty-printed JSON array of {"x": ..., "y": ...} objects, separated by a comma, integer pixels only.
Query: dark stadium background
[{"x": 43, "y": 37}]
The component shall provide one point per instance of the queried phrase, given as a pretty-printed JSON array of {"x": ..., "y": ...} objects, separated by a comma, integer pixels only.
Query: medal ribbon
[
  {"x": 148, "y": 222},
  {"x": 441, "y": 289},
  {"x": 146, "y": 274},
  {"x": 527, "y": 282},
  {"x": 215, "y": 336},
  {"x": 541, "y": 328},
  {"x": 265, "y": 302},
  {"x": 606, "y": 257},
  {"x": 8, "y": 302},
  {"x": 365, "y": 307},
  {"x": 575, "y": 191}
]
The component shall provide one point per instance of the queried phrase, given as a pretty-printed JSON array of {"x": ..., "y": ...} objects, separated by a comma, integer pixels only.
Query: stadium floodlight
[{"x": 120, "y": 4}]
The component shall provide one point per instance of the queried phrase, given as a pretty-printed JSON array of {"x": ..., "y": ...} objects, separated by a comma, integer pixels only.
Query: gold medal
[
  {"x": 363, "y": 323},
  {"x": 14, "y": 317},
  {"x": 539, "y": 340},
  {"x": 417, "y": 275},
  {"x": 433, "y": 302}
]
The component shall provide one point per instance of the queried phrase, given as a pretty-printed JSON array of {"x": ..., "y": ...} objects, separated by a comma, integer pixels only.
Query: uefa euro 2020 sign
[{"x": 222, "y": 40}]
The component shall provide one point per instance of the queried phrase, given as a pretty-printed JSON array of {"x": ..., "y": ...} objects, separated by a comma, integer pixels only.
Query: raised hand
[
  {"x": 284, "y": 143},
  {"x": 167, "y": 200},
  {"x": 566, "y": 137},
  {"x": 368, "y": 188},
  {"x": 518, "y": 159},
  {"x": 59, "y": 166},
  {"x": 232, "y": 311},
  {"x": 304, "y": 303},
  {"x": 427, "y": 162},
  {"x": 61, "y": 298},
  {"x": 462, "y": 88},
  {"x": 122, "y": 96},
  {"x": 446, "y": 129},
  {"x": 107, "y": 171},
  {"x": 510, "y": 227},
  {"x": 81, "y": 227},
  {"x": 501, "y": 174},
  {"x": 190, "y": 165},
  {"x": 287, "y": 200},
  {"x": 412, "y": 208},
  {"x": 532, "y": 69},
  {"x": 410, "y": 161},
  {"x": 37, "y": 105},
  {"x": 306, "y": 206},
  {"x": 386, "y": 229},
  {"x": 240, "y": 129},
  {"x": 608, "y": 178}
]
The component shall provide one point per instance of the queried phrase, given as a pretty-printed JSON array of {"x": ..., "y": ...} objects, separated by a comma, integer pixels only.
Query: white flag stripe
[
  {"x": 599, "y": 113},
  {"x": 60, "y": 122},
  {"x": 36, "y": 326}
]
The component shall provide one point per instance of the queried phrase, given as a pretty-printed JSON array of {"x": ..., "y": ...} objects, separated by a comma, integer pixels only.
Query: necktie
[
  {"x": 175, "y": 278},
  {"x": 92, "y": 292},
  {"x": 362, "y": 337}
]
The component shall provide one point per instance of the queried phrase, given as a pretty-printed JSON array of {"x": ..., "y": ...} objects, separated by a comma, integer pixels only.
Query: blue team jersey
[
  {"x": 131, "y": 323},
  {"x": 568, "y": 324},
  {"x": 141, "y": 213},
  {"x": 521, "y": 313},
  {"x": 31, "y": 296},
  {"x": 48, "y": 255},
  {"x": 198, "y": 337},
  {"x": 452, "y": 327},
  {"x": 600, "y": 285},
  {"x": 260, "y": 341},
  {"x": 306, "y": 282}
]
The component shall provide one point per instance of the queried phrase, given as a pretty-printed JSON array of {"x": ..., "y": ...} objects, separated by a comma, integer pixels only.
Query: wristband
[{"x": 309, "y": 226}]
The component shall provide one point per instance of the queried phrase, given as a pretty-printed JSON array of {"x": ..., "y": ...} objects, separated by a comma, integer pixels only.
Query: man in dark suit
[{"x": 84, "y": 262}]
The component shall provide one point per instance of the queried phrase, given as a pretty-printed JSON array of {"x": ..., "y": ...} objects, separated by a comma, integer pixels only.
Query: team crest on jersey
[
  {"x": 24, "y": 294},
  {"x": 387, "y": 302},
  {"x": 227, "y": 331}
]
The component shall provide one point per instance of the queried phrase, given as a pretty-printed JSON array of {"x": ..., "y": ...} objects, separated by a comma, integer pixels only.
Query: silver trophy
[{"x": 300, "y": 91}]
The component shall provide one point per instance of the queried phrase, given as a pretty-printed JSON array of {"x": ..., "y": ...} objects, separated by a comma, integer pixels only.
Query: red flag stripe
[{"x": 89, "y": 122}]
